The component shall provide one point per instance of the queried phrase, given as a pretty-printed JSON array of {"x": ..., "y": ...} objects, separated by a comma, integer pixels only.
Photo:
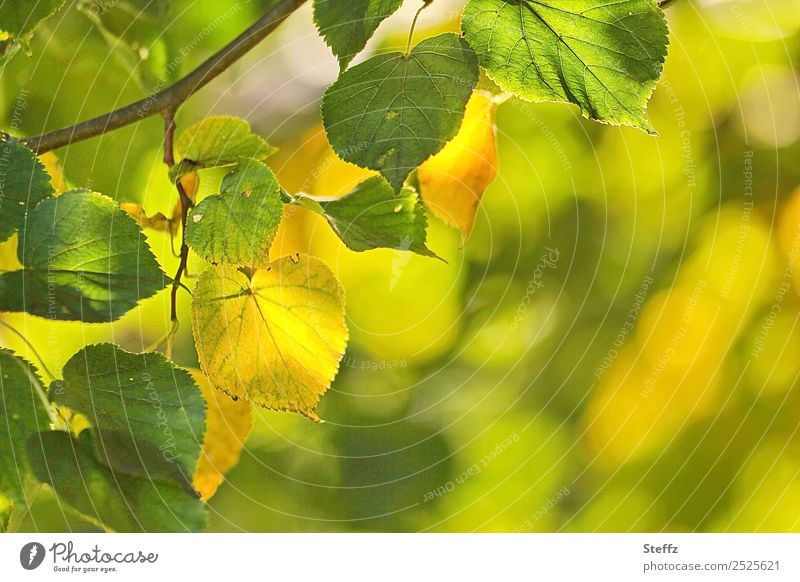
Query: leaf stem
[
  {"x": 173, "y": 96},
  {"x": 186, "y": 204},
  {"x": 425, "y": 4}
]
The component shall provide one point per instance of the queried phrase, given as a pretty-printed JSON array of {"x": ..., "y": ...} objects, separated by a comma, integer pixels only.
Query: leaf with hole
[
  {"x": 237, "y": 226},
  {"x": 393, "y": 111}
]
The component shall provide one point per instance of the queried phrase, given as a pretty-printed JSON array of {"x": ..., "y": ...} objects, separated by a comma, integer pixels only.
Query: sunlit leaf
[
  {"x": 24, "y": 184},
  {"x": 22, "y": 414},
  {"x": 219, "y": 141},
  {"x": 228, "y": 423},
  {"x": 116, "y": 500},
  {"x": 84, "y": 259},
  {"x": 274, "y": 338},
  {"x": 148, "y": 416},
  {"x": 19, "y": 19},
  {"x": 605, "y": 57},
  {"x": 453, "y": 181},
  {"x": 393, "y": 111},
  {"x": 237, "y": 226},
  {"x": 372, "y": 216},
  {"x": 347, "y": 26}
]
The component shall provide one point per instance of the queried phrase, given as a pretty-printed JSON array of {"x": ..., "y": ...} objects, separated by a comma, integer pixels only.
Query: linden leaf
[
  {"x": 115, "y": 500},
  {"x": 605, "y": 57},
  {"x": 23, "y": 184},
  {"x": 228, "y": 422},
  {"x": 148, "y": 416},
  {"x": 19, "y": 19},
  {"x": 85, "y": 259},
  {"x": 22, "y": 414},
  {"x": 274, "y": 338},
  {"x": 393, "y": 111},
  {"x": 347, "y": 26},
  {"x": 453, "y": 181},
  {"x": 237, "y": 226},
  {"x": 218, "y": 141},
  {"x": 372, "y": 216}
]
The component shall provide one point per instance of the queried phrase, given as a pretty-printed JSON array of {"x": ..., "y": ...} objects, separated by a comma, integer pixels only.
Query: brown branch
[{"x": 172, "y": 97}]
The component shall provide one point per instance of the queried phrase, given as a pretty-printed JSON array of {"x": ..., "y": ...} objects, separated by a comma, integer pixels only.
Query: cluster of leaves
[{"x": 272, "y": 333}]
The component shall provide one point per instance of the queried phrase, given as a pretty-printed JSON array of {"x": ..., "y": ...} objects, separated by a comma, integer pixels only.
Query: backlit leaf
[
  {"x": 23, "y": 184},
  {"x": 117, "y": 500},
  {"x": 219, "y": 141},
  {"x": 148, "y": 416},
  {"x": 22, "y": 414},
  {"x": 84, "y": 258},
  {"x": 372, "y": 216},
  {"x": 393, "y": 111},
  {"x": 453, "y": 181},
  {"x": 605, "y": 57},
  {"x": 228, "y": 423},
  {"x": 237, "y": 226},
  {"x": 274, "y": 338},
  {"x": 347, "y": 26},
  {"x": 19, "y": 19}
]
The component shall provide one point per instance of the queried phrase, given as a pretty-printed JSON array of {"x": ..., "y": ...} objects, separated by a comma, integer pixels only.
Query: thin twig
[
  {"x": 171, "y": 97},
  {"x": 186, "y": 204}
]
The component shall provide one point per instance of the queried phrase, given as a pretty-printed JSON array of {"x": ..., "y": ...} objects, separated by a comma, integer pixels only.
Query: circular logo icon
[{"x": 31, "y": 555}]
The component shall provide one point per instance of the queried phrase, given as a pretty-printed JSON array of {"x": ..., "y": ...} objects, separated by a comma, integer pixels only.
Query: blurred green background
[{"x": 616, "y": 347}]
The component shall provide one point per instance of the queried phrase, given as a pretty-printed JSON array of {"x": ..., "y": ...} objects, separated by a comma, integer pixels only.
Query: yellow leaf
[
  {"x": 53, "y": 167},
  {"x": 156, "y": 222},
  {"x": 228, "y": 423},
  {"x": 453, "y": 181},
  {"x": 274, "y": 338}
]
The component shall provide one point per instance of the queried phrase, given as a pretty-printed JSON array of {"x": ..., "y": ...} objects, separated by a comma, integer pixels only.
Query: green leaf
[
  {"x": 274, "y": 338},
  {"x": 606, "y": 57},
  {"x": 394, "y": 111},
  {"x": 347, "y": 26},
  {"x": 23, "y": 184},
  {"x": 22, "y": 414},
  {"x": 372, "y": 216},
  {"x": 116, "y": 500},
  {"x": 148, "y": 416},
  {"x": 237, "y": 226},
  {"x": 19, "y": 18},
  {"x": 218, "y": 141},
  {"x": 84, "y": 258}
]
